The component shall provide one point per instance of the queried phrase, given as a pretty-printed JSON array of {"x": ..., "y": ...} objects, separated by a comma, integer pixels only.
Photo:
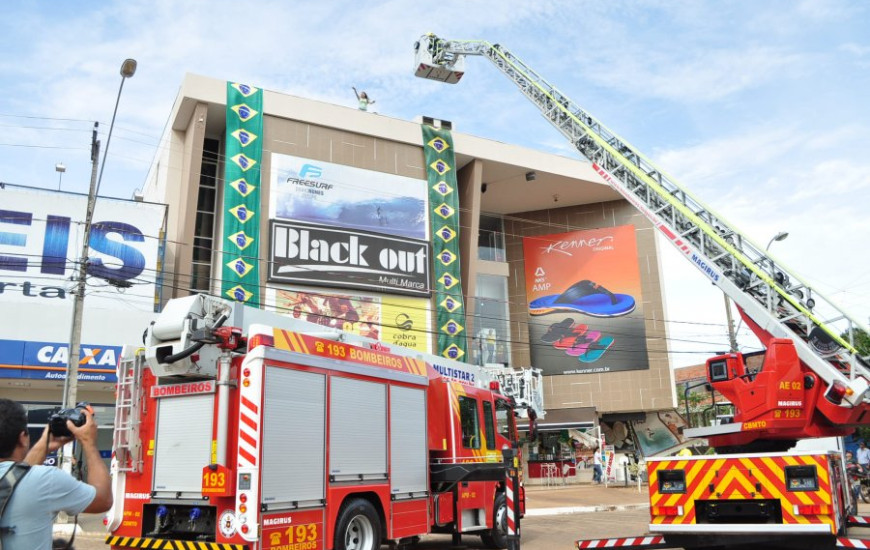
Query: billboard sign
[
  {"x": 41, "y": 241},
  {"x": 395, "y": 320},
  {"x": 318, "y": 255},
  {"x": 585, "y": 304},
  {"x": 338, "y": 195},
  {"x": 48, "y": 361}
]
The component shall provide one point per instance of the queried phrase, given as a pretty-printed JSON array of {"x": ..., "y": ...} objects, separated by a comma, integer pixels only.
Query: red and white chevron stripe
[
  {"x": 621, "y": 542},
  {"x": 249, "y": 431},
  {"x": 509, "y": 495},
  {"x": 843, "y": 542},
  {"x": 858, "y": 520}
]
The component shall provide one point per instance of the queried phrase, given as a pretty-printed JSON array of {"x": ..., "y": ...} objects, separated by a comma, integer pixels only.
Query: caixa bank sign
[
  {"x": 40, "y": 232},
  {"x": 48, "y": 361},
  {"x": 318, "y": 255}
]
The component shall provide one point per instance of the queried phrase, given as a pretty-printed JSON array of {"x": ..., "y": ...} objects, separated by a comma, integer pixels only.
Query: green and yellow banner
[
  {"x": 244, "y": 152},
  {"x": 444, "y": 224}
]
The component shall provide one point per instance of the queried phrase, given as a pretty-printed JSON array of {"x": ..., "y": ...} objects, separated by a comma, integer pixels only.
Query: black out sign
[{"x": 318, "y": 255}]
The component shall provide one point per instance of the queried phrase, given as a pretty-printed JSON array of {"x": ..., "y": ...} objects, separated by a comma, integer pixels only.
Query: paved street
[
  {"x": 553, "y": 531},
  {"x": 556, "y": 532}
]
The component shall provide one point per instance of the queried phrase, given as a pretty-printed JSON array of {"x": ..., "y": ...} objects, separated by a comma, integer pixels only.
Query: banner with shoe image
[{"x": 584, "y": 297}]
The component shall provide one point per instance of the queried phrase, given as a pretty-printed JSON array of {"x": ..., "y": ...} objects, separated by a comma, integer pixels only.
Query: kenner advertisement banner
[
  {"x": 338, "y": 195},
  {"x": 41, "y": 242},
  {"x": 585, "y": 304}
]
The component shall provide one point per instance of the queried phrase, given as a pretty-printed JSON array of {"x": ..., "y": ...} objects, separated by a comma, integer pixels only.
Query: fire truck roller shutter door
[
  {"x": 357, "y": 430},
  {"x": 294, "y": 428},
  {"x": 182, "y": 447},
  {"x": 408, "y": 440}
]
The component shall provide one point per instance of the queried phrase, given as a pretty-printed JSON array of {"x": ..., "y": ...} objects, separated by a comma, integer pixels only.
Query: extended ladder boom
[{"x": 782, "y": 304}]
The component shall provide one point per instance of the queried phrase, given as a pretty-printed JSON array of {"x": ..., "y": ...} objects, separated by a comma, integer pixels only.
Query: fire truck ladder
[
  {"x": 126, "y": 443},
  {"x": 781, "y": 303}
]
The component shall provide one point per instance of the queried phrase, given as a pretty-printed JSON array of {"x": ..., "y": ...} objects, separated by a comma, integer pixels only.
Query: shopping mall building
[
  {"x": 539, "y": 261},
  {"x": 421, "y": 236}
]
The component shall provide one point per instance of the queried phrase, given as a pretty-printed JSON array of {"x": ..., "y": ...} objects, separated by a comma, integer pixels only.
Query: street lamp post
[
  {"x": 781, "y": 236},
  {"x": 60, "y": 169},
  {"x": 732, "y": 337},
  {"x": 70, "y": 388}
]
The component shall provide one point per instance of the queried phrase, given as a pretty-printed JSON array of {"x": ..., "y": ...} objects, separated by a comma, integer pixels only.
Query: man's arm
[
  {"x": 47, "y": 443},
  {"x": 98, "y": 475}
]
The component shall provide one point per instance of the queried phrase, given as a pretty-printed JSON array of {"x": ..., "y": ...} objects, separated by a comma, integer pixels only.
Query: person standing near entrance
[
  {"x": 863, "y": 456},
  {"x": 597, "y": 471}
]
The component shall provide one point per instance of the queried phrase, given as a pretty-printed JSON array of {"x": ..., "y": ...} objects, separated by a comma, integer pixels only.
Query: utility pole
[{"x": 70, "y": 385}]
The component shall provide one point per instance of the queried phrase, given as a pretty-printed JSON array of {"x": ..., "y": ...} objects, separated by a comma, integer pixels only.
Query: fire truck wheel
[
  {"x": 497, "y": 536},
  {"x": 358, "y": 526}
]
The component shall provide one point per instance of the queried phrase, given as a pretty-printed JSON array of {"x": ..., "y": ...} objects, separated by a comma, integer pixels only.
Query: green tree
[{"x": 862, "y": 344}]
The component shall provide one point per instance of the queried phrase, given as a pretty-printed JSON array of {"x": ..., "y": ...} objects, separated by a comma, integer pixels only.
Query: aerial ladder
[{"x": 812, "y": 364}]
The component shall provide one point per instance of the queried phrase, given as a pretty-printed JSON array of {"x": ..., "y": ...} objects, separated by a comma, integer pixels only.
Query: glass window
[
  {"x": 470, "y": 422},
  {"x": 202, "y": 250},
  {"x": 205, "y": 200},
  {"x": 504, "y": 414},
  {"x": 203, "y": 232},
  {"x": 489, "y": 425},
  {"x": 490, "y": 239},
  {"x": 491, "y": 339},
  {"x": 200, "y": 277},
  {"x": 204, "y": 224}
]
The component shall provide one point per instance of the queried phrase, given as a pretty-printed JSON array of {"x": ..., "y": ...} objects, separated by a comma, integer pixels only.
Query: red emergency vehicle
[
  {"x": 242, "y": 429},
  {"x": 812, "y": 381}
]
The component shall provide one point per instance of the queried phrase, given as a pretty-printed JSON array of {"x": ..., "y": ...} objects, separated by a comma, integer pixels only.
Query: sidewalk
[{"x": 572, "y": 499}]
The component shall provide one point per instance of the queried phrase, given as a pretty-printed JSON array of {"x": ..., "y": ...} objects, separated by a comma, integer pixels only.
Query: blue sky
[{"x": 758, "y": 108}]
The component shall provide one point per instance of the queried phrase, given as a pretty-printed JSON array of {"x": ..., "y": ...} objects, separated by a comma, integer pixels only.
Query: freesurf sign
[{"x": 317, "y": 255}]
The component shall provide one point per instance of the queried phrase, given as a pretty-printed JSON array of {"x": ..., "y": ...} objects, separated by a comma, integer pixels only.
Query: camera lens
[{"x": 57, "y": 422}]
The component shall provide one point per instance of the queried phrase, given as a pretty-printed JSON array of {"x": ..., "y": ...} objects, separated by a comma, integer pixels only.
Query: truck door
[{"x": 183, "y": 445}]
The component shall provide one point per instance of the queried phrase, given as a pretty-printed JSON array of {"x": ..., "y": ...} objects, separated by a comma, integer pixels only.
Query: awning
[{"x": 563, "y": 419}]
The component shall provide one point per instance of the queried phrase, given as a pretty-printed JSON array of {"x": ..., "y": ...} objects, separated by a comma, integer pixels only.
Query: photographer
[{"x": 44, "y": 491}]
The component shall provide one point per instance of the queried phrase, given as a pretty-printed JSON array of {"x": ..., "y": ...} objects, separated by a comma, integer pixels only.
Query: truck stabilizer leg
[{"x": 858, "y": 521}]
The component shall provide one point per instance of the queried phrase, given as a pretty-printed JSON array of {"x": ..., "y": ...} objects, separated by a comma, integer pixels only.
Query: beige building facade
[{"x": 507, "y": 195}]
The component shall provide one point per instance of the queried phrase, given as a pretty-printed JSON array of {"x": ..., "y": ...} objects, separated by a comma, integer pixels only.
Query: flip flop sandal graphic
[
  {"x": 580, "y": 347},
  {"x": 557, "y": 331},
  {"x": 596, "y": 350},
  {"x": 584, "y": 297},
  {"x": 576, "y": 336}
]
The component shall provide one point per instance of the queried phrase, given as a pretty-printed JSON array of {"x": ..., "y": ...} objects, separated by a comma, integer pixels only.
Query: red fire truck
[
  {"x": 238, "y": 429},
  {"x": 809, "y": 382}
]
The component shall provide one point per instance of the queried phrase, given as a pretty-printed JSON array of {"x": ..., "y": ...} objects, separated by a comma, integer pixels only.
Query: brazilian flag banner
[
  {"x": 240, "y": 279},
  {"x": 444, "y": 225}
]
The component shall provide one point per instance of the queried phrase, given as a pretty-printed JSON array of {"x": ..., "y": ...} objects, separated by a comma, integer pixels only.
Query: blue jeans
[{"x": 597, "y": 476}]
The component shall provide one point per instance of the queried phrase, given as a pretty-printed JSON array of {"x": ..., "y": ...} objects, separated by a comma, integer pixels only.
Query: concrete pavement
[{"x": 573, "y": 499}]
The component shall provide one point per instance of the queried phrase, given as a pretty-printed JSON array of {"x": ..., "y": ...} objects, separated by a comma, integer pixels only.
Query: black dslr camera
[{"x": 57, "y": 421}]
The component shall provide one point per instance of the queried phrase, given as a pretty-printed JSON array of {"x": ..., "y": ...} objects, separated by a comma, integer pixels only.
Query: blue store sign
[{"x": 48, "y": 361}]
